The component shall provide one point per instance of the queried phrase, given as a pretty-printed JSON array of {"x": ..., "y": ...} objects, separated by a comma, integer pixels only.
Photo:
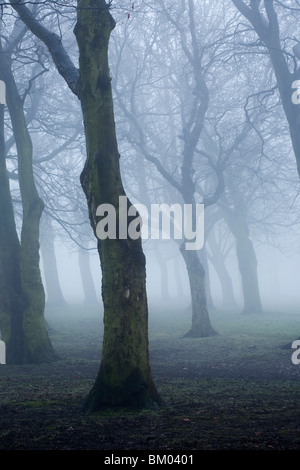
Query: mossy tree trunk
[
  {"x": 124, "y": 378},
  {"x": 11, "y": 296},
  {"x": 36, "y": 345}
]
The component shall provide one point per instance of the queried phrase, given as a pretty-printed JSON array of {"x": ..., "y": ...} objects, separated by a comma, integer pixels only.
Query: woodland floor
[{"x": 238, "y": 390}]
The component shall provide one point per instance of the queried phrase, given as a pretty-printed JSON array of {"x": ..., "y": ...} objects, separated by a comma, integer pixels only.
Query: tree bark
[{"x": 124, "y": 378}]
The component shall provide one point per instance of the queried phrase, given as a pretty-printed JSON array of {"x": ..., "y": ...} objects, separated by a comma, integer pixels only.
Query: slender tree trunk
[
  {"x": 204, "y": 261},
  {"x": 55, "y": 296},
  {"x": 218, "y": 262},
  {"x": 246, "y": 258},
  {"x": 201, "y": 326},
  {"x": 11, "y": 295},
  {"x": 37, "y": 346},
  {"x": 124, "y": 378},
  {"x": 248, "y": 269}
]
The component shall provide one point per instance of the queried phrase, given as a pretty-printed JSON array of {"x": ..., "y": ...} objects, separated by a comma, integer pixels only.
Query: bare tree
[
  {"x": 265, "y": 20},
  {"x": 23, "y": 298},
  {"x": 167, "y": 117}
]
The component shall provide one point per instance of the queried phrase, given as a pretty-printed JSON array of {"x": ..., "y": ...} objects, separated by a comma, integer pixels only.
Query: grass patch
[{"x": 237, "y": 390}]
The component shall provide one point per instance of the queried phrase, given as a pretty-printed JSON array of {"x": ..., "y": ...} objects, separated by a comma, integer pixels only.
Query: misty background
[{"x": 158, "y": 50}]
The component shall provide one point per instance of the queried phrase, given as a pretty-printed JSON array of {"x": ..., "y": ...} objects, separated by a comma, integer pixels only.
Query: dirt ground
[{"x": 236, "y": 391}]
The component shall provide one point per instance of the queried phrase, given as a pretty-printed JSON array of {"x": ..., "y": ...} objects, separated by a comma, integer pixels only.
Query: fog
[
  {"x": 278, "y": 275},
  {"x": 201, "y": 118},
  {"x": 149, "y": 224}
]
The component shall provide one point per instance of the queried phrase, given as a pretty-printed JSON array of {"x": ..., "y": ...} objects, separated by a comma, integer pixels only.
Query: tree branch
[{"x": 60, "y": 57}]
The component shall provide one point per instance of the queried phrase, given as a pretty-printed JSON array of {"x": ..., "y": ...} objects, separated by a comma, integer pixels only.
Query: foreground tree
[{"x": 124, "y": 377}]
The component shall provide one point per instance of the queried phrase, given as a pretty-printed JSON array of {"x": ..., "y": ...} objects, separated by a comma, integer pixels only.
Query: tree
[
  {"x": 236, "y": 219},
  {"x": 166, "y": 120},
  {"x": 124, "y": 378},
  {"x": 22, "y": 292},
  {"x": 264, "y": 19},
  {"x": 11, "y": 298}
]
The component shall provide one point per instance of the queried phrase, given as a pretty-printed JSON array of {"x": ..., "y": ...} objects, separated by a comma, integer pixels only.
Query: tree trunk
[
  {"x": 11, "y": 296},
  {"x": 55, "y": 296},
  {"x": 124, "y": 378},
  {"x": 218, "y": 262},
  {"x": 246, "y": 257},
  {"x": 36, "y": 344},
  {"x": 248, "y": 269},
  {"x": 201, "y": 326},
  {"x": 204, "y": 261}
]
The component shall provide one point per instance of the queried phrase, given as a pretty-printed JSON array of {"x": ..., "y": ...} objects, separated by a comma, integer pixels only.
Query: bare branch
[{"x": 60, "y": 57}]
